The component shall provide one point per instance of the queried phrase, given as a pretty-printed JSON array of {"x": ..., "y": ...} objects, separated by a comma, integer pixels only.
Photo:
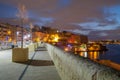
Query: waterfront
[
  {"x": 110, "y": 57},
  {"x": 112, "y": 54}
]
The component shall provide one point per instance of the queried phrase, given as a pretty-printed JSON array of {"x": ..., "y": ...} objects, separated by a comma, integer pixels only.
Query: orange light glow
[
  {"x": 66, "y": 49},
  {"x": 95, "y": 55},
  {"x": 37, "y": 39},
  {"x": 81, "y": 54},
  {"x": 9, "y": 32},
  {"x": 9, "y": 40},
  {"x": 56, "y": 39},
  {"x": 91, "y": 55}
]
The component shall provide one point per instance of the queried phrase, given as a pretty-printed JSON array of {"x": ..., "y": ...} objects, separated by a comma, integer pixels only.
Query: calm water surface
[{"x": 112, "y": 54}]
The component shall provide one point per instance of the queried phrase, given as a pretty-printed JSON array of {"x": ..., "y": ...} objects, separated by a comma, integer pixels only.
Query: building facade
[{"x": 12, "y": 33}]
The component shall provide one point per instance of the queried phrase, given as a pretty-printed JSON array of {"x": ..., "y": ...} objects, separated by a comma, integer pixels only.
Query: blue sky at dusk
[{"x": 98, "y": 19}]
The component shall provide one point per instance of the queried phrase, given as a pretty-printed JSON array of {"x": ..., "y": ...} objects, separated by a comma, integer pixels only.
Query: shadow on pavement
[
  {"x": 38, "y": 63},
  {"x": 41, "y": 49}
]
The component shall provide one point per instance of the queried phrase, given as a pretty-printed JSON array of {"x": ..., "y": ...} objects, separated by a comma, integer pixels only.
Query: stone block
[
  {"x": 31, "y": 47},
  {"x": 19, "y": 54}
]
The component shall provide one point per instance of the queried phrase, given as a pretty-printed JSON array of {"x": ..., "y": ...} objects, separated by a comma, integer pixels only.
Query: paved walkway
[{"x": 39, "y": 67}]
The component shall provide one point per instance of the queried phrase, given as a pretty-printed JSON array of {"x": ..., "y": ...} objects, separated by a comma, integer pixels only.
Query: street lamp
[
  {"x": 9, "y": 32},
  {"x": 9, "y": 36},
  {"x": 17, "y": 32}
]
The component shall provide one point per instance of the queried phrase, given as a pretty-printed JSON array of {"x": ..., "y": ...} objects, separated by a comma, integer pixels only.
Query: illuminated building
[
  {"x": 7, "y": 32},
  {"x": 37, "y": 36},
  {"x": 77, "y": 39},
  {"x": 11, "y": 33}
]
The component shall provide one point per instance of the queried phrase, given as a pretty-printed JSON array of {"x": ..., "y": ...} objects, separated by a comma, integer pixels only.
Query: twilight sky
[{"x": 98, "y": 19}]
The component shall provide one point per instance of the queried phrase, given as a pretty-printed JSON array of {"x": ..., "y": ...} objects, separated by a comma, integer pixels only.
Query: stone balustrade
[{"x": 74, "y": 67}]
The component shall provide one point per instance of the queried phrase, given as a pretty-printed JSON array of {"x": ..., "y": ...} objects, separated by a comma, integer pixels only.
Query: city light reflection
[{"x": 93, "y": 55}]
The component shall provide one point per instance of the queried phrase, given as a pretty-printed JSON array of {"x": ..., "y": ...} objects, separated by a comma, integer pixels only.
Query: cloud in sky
[
  {"x": 98, "y": 26},
  {"x": 93, "y": 18},
  {"x": 84, "y": 32}
]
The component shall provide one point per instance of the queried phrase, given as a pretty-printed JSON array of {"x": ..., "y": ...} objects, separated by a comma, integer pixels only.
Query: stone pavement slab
[{"x": 39, "y": 67}]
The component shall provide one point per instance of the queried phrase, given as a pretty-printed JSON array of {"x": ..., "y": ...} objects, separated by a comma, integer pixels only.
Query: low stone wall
[
  {"x": 74, "y": 67},
  {"x": 31, "y": 47},
  {"x": 35, "y": 45},
  {"x": 38, "y": 44}
]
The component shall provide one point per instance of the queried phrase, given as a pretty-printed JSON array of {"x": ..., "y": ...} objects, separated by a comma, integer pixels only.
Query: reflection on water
[
  {"x": 93, "y": 55},
  {"x": 97, "y": 57}
]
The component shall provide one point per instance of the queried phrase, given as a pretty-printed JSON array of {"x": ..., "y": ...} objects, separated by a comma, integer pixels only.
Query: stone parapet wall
[
  {"x": 74, "y": 67},
  {"x": 35, "y": 45},
  {"x": 31, "y": 47}
]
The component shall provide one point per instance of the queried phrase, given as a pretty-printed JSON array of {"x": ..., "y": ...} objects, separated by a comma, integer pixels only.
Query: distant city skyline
[{"x": 98, "y": 19}]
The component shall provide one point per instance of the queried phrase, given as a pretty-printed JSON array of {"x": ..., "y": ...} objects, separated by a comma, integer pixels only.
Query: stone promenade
[{"x": 39, "y": 67}]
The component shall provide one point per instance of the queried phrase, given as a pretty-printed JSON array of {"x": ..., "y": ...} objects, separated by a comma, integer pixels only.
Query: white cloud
[
  {"x": 84, "y": 32},
  {"x": 103, "y": 34},
  {"x": 96, "y": 26}
]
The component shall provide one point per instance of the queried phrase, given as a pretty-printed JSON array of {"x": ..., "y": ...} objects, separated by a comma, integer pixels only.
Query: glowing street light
[
  {"x": 17, "y": 32},
  {"x": 9, "y": 32},
  {"x": 28, "y": 35},
  {"x": 56, "y": 39}
]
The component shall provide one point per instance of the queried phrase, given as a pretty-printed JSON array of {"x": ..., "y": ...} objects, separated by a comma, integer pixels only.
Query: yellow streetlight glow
[
  {"x": 56, "y": 39},
  {"x": 9, "y": 40},
  {"x": 9, "y": 32},
  {"x": 37, "y": 39}
]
